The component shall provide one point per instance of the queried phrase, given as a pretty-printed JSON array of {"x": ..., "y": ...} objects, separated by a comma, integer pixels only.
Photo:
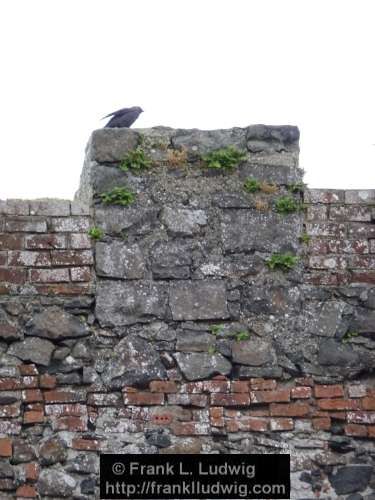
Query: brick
[
  {"x": 347, "y": 246},
  {"x": 356, "y": 430},
  {"x": 362, "y": 277},
  {"x": 281, "y": 424},
  {"x": 217, "y": 416},
  {"x": 72, "y": 424},
  {"x": 26, "y": 225},
  {"x": 372, "y": 246},
  {"x": 15, "y": 207},
  {"x": 321, "y": 278},
  {"x": 70, "y": 289},
  {"x": 316, "y": 212},
  {"x": 10, "y": 410},
  {"x": 80, "y": 241},
  {"x": 26, "y": 491},
  {"x": 321, "y": 423},
  {"x": 326, "y": 229},
  {"x": 32, "y": 395},
  {"x": 360, "y": 417},
  {"x": 70, "y": 224},
  {"x": 5, "y": 447},
  {"x": 324, "y": 196},
  {"x": 317, "y": 246},
  {"x": 49, "y": 275},
  {"x": 192, "y": 387},
  {"x": 330, "y": 262},
  {"x": 30, "y": 369},
  {"x": 190, "y": 429},
  {"x": 371, "y": 431},
  {"x": 79, "y": 208},
  {"x": 143, "y": 398},
  {"x": 33, "y": 417},
  {"x": 168, "y": 386},
  {"x": 7, "y": 485},
  {"x": 162, "y": 418},
  {"x": 253, "y": 424},
  {"x": 359, "y": 230},
  {"x": 240, "y": 386},
  {"x": 34, "y": 406},
  {"x": 47, "y": 381},
  {"x": 345, "y": 213},
  {"x": 72, "y": 257},
  {"x": 85, "y": 444},
  {"x": 10, "y": 427},
  {"x": 232, "y": 426},
  {"x": 261, "y": 384},
  {"x": 357, "y": 391},
  {"x": 64, "y": 396},
  {"x": 103, "y": 399},
  {"x": 32, "y": 471},
  {"x": 278, "y": 396},
  {"x": 11, "y": 241},
  {"x": 28, "y": 382},
  {"x": 59, "y": 208},
  {"x": 359, "y": 196},
  {"x": 301, "y": 392},
  {"x": 80, "y": 274},
  {"x": 289, "y": 410},
  {"x": 361, "y": 262},
  {"x": 29, "y": 258},
  {"x": 66, "y": 410},
  {"x": 12, "y": 275},
  {"x": 338, "y": 404},
  {"x": 368, "y": 403},
  {"x": 214, "y": 386},
  {"x": 258, "y": 413},
  {"x": 236, "y": 399},
  {"x": 188, "y": 399},
  {"x": 329, "y": 391},
  {"x": 45, "y": 241}
]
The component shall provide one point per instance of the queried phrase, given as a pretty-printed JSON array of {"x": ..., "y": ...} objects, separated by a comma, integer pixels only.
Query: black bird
[{"x": 123, "y": 117}]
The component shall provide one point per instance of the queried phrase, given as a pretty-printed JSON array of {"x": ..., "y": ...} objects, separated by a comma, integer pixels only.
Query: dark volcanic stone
[{"x": 351, "y": 479}]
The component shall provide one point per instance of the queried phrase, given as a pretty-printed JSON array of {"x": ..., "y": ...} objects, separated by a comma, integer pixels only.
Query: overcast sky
[{"x": 188, "y": 63}]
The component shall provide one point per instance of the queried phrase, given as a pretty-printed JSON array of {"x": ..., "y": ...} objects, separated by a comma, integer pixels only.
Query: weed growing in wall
[
  {"x": 118, "y": 196},
  {"x": 305, "y": 238},
  {"x": 176, "y": 157},
  {"x": 348, "y": 336},
  {"x": 267, "y": 188},
  {"x": 298, "y": 187},
  {"x": 225, "y": 158},
  {"x": 283, "y": 261},
  {"x": 251, "y": 185},
  {"x": 96, "y": 233},
  {"x": 135, "y": 160},
  {"x": 287, "y": 205}
]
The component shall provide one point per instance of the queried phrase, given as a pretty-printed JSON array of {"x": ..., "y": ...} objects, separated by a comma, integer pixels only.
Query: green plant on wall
[
  {"x": 96, "y": 233},
  {"x": 348, "y": 336},
  {"x": 135, "y": 160},
  {"x": 118, "y": 196},
  {"x": 251, "y": 185},
  {"x": 216, "y": 329},
  {"x": 212, "y": 350},
  {"x": 225, "y": 158},
  {"x": 305, "y": 238},
  {"x": 298, "y": 187},
  {"x": 283, "y": 261},
  {"x": 287, "y": 205},
  {"x": 241, "y": 336}
]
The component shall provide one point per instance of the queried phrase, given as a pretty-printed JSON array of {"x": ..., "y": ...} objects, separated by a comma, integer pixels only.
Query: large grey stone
[
  {"x": 351, "y": 478},
  {"x": 119, "y": 260},
  {"x": 253, "y": 352},
  {"x": 183, "y": 221},
  {"x": 332, "y": 352},
  {"x": 364, "y": 321},
  {"x": 246, "y": 231},
  {"x": 56, "y": 324},
  {"x": 125, "y": 303},
  {"x": 274, "y": 137},
  {"x": 200, "y": 299},
  {"x": 201, "y": 365},
  {"x": 271, "y": 299},
  {"x": 56, "y": 483},
  {"x": 33, "y": 349},
  {"x": 111, "y": 144},
  {"x": 134, "y": 362},
  {"x": 171, "y": 260},
  {"x": 115, "y": 220},
  {"x": 330, "y": 322},
  {"x": 197, "y": 142},
  {"x": 51, "y": 451},
  {"x": 190, "y": 341}
]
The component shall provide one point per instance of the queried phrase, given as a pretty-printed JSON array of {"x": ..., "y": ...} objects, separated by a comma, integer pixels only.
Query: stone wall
[{"x": 187, "y": 337}]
